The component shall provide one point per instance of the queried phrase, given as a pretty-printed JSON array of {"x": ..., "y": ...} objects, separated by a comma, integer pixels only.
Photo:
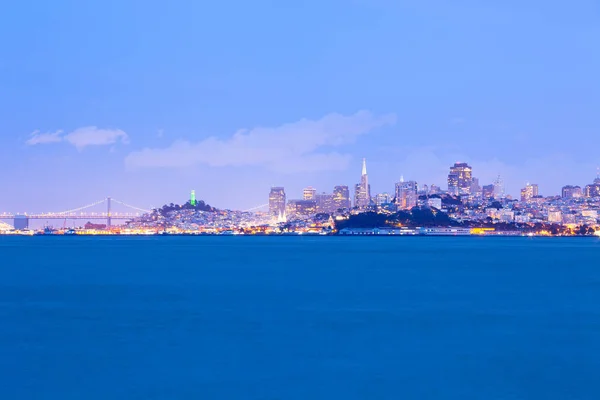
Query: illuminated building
[
  {"x": 554, "y": 217},
  {"x": 434, "y": 189},
  {"x": 475, "y": 187},
  {"x": 571, "y": 192},
  {"x": 309, "y": 193},
  {"x": 382, "y": 198},
  {"x": 435, "y": 202},
  {"x": 193, "y": 198},
  {"x": 325, "y": 203},
  {"x": 529, "y": 191},
  {"x": 460, "y": 179},
  {"x": 277, "y": 202},
  {"x": 593, "y": 190},
  {"x": 362, "y": 190},
  {"x": 406, "y": 194},
  {"x": 301, "y": 208},
  {"x": 488, "y": 191},
  {"x": 499, "y": 188},
  {"x": 341, "y": 197}
]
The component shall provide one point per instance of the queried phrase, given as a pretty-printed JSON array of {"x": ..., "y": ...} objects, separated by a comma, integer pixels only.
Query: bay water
[{"x": 299, "y": 318}]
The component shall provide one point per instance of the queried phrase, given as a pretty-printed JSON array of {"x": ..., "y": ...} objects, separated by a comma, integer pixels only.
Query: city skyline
[{"x": 109, "y": 99}]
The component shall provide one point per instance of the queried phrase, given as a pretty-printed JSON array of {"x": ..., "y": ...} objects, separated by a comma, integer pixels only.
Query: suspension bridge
[{"x": 21, "y": 221}]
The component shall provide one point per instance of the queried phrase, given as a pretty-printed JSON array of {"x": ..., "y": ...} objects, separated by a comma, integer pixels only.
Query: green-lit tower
[{"x": 193, "y": 198}]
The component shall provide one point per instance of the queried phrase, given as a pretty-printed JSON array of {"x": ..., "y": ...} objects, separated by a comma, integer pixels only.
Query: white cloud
[
  {"x": 43, "y": 138},
  {"x": 81, "y": 137},
  {"x": 305, "y": 145},
  {"x": 93, "y": 136}
]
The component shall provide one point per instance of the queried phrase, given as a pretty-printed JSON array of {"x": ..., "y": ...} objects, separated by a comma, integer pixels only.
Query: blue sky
[{"x": 145, "y": 100}]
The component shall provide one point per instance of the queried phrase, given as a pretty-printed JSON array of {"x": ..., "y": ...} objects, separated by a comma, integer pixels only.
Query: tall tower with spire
[{"x": 362, "y": 192}]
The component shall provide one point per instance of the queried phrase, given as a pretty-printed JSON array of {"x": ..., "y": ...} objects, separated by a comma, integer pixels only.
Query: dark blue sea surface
[{"x": 299, "y": 318}]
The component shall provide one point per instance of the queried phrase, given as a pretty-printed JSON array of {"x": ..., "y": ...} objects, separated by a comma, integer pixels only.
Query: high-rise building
[
  {"x": 570, "y": 192},
  {"x": 499, "y": 188},
  {"x": 487, "y": 191},
  {"x": 529, "y": 191},
  {"x": 475, "y": 187},
  {"x": 460, "y": 179},
  {"x": 277, "y": 202},
  {"x": 309, "y": 193},
  {"x": 592, "y": 190},
  {"x": 434, "y": 189},
  {"x": 301, "y": 208},
  {"x": 406, "y": 194},
  {"x": 341, "y": 197},
  {"x": 382, "y": 198},
  {"x": 325, "y": 203},
  {"x": 362, "y": 190}
]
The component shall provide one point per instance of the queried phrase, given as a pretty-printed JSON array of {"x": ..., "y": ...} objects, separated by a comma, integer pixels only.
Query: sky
[{"x": 145, "y": 100}]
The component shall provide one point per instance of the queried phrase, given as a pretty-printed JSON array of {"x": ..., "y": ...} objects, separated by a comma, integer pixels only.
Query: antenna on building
[{"x": 364, "y": 166}]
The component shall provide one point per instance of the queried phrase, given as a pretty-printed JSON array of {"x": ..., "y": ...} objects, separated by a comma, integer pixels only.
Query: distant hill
[
  {"x": 424, "y": 217},
  {"x": 200, "y": 206}
]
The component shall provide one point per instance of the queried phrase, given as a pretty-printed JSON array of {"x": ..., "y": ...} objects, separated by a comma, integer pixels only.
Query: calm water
[{"x": 299, "y": 318}]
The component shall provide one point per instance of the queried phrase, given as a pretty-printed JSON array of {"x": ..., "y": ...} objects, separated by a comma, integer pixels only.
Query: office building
[
  {"x": 406, "y": 194},
  {"x": 571, "y": 192},
  {"x": 487, "y": 191},
  {"x": 301, "y": 208},
  {"x": 309, "y": 193},
  {"x": 277, "y": 202},
  {"x": 529, "y": 191},
  {"x": 325, "y": 203},
  {"x": 382, "y": 198},
  {"x": 499, "y": 188},
  {"x": 341, "y": 197},
  {"x": 362, "y": 190},
  {"x": 460, "y": 179}
]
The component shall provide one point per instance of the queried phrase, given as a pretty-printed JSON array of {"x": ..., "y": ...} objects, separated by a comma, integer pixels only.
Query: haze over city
[{"x": 146, "y": 103}]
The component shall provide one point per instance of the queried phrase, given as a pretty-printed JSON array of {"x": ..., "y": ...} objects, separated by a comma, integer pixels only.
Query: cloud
[
  {"x": 43, "y": 138},
  {"x": 81, "y": 137},
  {"x": 305, "y": 145},
  {"x": 92, "y": 136}
]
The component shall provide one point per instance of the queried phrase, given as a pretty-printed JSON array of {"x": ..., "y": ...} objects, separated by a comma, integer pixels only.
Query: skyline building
[
  {"x": 382, "y": 198},
  {"x": 460, "y": 179},
  {"x": 301, "y": 208},
  {"x": 487, "y": 191},
  {"x": 529, "y": 191},
  {"x": 341, "y": 197},
  {"x": 362, "y": 190},
  {"x": 309, "y": 193},
  {"x": 406, "y": 194},
  {"x": 475, "y": 187},
  {"x": 499, "y": 191},
  {"x": 325, "y": 203},
  {"x": 277, "y": 202},
  {"x": 571, "y": 192}
]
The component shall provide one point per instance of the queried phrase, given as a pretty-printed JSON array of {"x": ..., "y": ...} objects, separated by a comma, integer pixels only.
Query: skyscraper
[
  {"x": 406, "y": 194},
  {"x": 529, "y": 191},
  {"x": 570, "y": 192},
  {"x": 325, "y": 203},
  {"x": 362, "y": 192},
  {"x": 277, "y": 202},
  {"x": 309, "y": 193},
  {"x": 499, "y": 188},
  {"x": 341, "y": 197},
  {"x": 460, "y": 179}
]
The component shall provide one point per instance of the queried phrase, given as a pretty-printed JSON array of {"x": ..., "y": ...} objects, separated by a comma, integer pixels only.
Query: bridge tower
[{"x": 108, "y": 216}]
